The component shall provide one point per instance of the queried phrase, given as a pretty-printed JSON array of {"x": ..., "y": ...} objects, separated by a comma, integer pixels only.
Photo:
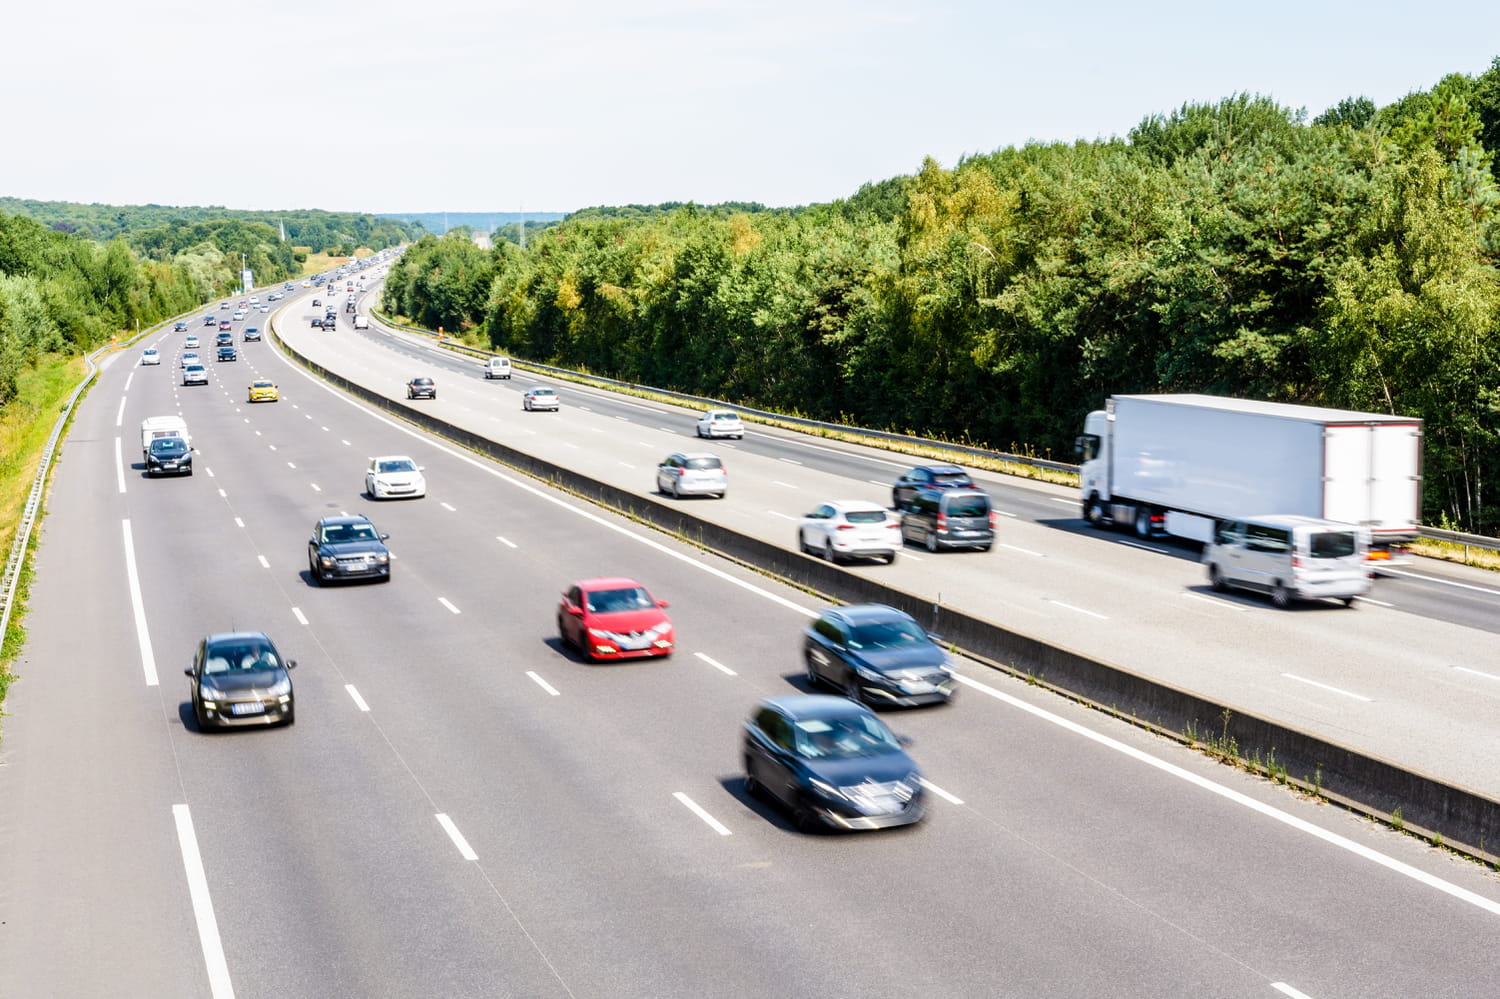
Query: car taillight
[
  {"x": 846, "y": 527},
  {"x": 942, "y": 523},
  {"x": 992, "y": 520}
]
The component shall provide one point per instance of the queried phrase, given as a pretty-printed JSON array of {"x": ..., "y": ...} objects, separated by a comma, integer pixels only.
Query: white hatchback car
[
  {"x": 539, "y": 397},
  {"x": 721, "y": 423},
  {"x": 692, "y": 473},
  {"x": 845, "y": 529},
  {"x": 394, "y": 475},
  {"x": 150, "y": 356}
]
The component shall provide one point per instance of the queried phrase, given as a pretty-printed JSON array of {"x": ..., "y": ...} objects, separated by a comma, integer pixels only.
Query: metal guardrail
[{"x": 1453, "y": 537}]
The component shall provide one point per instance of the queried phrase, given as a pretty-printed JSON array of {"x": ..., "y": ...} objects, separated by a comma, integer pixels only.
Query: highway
[
  {"x": 465, "y": 809},
  {"x": 1412, "y": 675}
]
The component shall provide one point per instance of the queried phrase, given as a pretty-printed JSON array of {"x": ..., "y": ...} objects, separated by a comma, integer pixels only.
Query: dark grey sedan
[
  {"x": 239, "y": 679},
  {"x": 832, "y": 763},
  {"x": 348, "y": 548},
  {"x": 878, "y": 655}
]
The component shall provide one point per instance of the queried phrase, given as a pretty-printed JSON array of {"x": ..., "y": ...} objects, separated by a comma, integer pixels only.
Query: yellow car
[{"x": 264, "y": 390}]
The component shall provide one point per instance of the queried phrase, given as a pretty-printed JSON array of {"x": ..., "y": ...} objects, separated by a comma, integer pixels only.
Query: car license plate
[{"x": 248, "y": 708}]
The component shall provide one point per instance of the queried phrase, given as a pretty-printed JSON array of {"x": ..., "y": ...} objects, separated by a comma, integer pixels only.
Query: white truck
[
  {"x": 1182, "y": 464},
  {"x": 153, "y": 427}
]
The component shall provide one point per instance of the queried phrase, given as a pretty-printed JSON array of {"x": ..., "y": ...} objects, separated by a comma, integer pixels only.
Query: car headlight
[
  {"x": 600, "y": 633},
  {"x": 383, "y": 557},
  {"x": 825, "y": 788},
  {"x": 281, "y": 687},
  {"x": 209, "y": 692}
]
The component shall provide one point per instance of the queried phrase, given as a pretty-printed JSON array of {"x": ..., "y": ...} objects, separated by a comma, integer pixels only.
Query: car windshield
[
  {"x": 168, "y": 445},
  {"x": 703, "y": 463},
  {"x": 340, "y": 533},
  {"x": 233, "y": 658},
  {"x": 398, "y": 465},
  {"x": 891, "y": 634},
  {"x": 624, "y": 599},
  {"x": 864, "y": 516},
  {"x": 263, "y": 385},
  {"x": 843, "y": 738}
]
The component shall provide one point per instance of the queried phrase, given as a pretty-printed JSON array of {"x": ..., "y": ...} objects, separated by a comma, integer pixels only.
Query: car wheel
[
  {"x": 828, "y": 552},
  {"x": 562, "y": 633},
  {"x": 803, "y": 817},
  {"x": 1216, "y": 579},
  {"x": 801, "y": 542},
  {"x": 752, "y": 786},
  {"x": 314, "y": 571},
  {"x": 676, "y": 493},
  {"x": 722, "y": 495},
  {"x": 1280, "y": 595},
  {"x": 201, "y": 718},
  {"x": 290, "y": 718},
  {"x": 932, "y": 544},
  {"x": 890, "y": 558},
  {"x": 851, "y": 688}
]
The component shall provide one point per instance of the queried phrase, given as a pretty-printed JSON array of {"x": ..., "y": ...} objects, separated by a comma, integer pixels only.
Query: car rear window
[
  {"x": 704, "y": 463},
  {"x": 969, "y": 506},
  {"x": 1332, "y": 544},
  {"x": 953, "y": 478},
  {"x": 865, "y": 516}
]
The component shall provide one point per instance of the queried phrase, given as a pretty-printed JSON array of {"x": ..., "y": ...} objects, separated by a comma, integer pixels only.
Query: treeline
[
  {"x": 336, "y": 232},
  {"x": 1231, "y": 248},
  {"x": 61, "y": 293}
]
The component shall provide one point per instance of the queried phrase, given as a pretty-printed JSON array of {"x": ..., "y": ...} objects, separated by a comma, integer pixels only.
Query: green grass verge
[{"x": 25, "y": 423}]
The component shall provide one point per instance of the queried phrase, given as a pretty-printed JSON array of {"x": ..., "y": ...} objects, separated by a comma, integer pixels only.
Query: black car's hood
[
  {"x": 244, "y": 679},
  {"x": 923, "y": 656},
  {"x": 339, "y": 548},
  {"x": 882, "y": 769}
]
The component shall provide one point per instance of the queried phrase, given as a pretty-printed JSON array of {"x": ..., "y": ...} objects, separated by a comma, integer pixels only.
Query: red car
[{"x": 614, "y": 618}]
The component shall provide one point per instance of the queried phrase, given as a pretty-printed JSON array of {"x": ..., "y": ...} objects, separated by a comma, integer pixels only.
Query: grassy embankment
[{"x": 25, "y": 423}]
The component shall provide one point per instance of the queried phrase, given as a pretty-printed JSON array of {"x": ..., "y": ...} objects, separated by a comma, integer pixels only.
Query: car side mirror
[
  {"x": 662, "y": 603},
  {"x": 384, "y": 536},
  {"x": 291, "y": 664},
  {"x": 575, "y": 610},
  {"x": 904, "y": 740},
  {"x": 188, "y": 671}
]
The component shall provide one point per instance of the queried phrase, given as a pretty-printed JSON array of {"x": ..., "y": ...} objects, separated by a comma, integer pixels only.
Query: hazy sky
[{"x": 478, "y": 105}]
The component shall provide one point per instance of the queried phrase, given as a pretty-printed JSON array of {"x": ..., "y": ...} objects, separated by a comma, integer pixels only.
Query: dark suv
[
  {"x": 948, "y": 517},
  {"x": 939, "y": 476},
  {"x": 876, "y": 655},
  {"x": 347, "y": 548},
  {"x": 169, "y": 454}
]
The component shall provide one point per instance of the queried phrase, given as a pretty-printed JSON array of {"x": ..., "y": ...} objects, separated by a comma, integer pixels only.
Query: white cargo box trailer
[
  {"x": 153, "y": 427},
  {"x": 1180, "y": 464}
]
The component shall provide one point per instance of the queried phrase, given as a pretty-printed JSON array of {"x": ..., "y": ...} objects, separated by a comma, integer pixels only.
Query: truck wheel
[
  {"x": 1093, "y": 512},
  {"x": 1143, "y": 521},
  {"x": 1280, "y": 595}
]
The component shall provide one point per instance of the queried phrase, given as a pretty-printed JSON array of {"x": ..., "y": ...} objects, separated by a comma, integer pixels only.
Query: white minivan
[
  {"x": 497, "y": 367},
  {"x": 1291, "y": 558}
]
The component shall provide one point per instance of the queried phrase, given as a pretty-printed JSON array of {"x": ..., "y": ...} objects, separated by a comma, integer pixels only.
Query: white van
[
  {"x": 153, "y": 427},
  {"x": 1290, "y": 557},
  {"x": 497, "y": 367},
  {"x": 361, "y": 322}
]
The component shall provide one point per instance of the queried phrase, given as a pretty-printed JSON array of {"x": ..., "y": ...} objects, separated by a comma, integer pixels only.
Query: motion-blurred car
[
  {"x": 190, "y": 342},
  {"x": 843, "y": 529},
  {"x": 195, "y": 374},
  {"x": 721, "y": 423},
  {"x": 877, "y": 655},
  {"x": 169, "y": 454},
  {"x": 238, "y": 678},
  {"x": 539, "y": 397},
  {"x": 692, "y": 473},
  {"x": 348, "y": 548},
  {"x": 421, "y": 388},
  {"x": 179, "y": 327},
  {"x": 831, "y": 763},
  {"x": 264, "y": 390},
  {"x": 228, "y": 353},
  {"x": 150, "y": 356},
  {"x": 934, "y": 476},
  {"x": 188, "y": 357},
  {"x": 225, "y": 324},
  {"x": 614, "y": 618},
  {"x": 210, "y": 320},
  {"x": 394, "y": 475},
  {"x": 252, "y": 334}
]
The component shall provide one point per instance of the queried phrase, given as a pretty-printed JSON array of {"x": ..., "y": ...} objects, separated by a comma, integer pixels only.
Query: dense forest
[
  {"x": 336, "y": 232},
  {"x": 1234, "y": 248}
]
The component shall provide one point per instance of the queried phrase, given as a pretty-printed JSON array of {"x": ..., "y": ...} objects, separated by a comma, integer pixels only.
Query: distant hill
[{"x": 441, "y": 222}]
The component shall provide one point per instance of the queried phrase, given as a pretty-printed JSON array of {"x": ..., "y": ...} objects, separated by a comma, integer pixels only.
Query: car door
[
  {"x": 778, "y": 775},
  {"x": 815, "y": 526},
  {"x": 573, "y": 622},
  {"x": 665, "y": 472},
  {"x": 821, "y": 659}
]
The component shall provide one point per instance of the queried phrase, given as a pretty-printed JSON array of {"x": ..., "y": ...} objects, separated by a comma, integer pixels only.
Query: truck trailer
[{"x": 1183, "y": 464}]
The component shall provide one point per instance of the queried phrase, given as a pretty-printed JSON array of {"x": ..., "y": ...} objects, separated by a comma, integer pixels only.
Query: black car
[
  {"x": 878, "y": 655},
  {"x": 832, "y": 763},
  {"x": 228, "y": 353},
  {"x": 169, "y": 454},
  {"x": 252, "y": 334},
  {"x": 421, "y": 388},
  {"x": 347, "y": 548},
  {"x": 239, "y": 679},
  {"x": 939, "y": 476}
]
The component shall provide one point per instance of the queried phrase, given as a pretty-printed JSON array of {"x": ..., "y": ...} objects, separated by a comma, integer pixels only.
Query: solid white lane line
[
  {"x": 953, "y": 798},
  {"x": 1023, "y": 551},
  {"x": 138, "y": 607},
  {"x": 697, "y": 810},
  {"x": 464, "y": 850},
  {"x": 1215, "y": 602},
  {"x": 1004, "y": 513},
  {"x": 1445, "y": 582},
  {"x": 505, "y": 541},
  {"x": 297, "y": 613},
  {"x": 778, "y": 482},
  {"x": 908, "y": 555},
  {"x": 1244, "y": 800},
  {"x": 877, "y": 482},
  {"x": 1372, "y": 600},
  {"x": 120, "y": 416},
  {"x": 119, "y": 466},
  {"x": 359, "y": 702},
  {"x": 203, "y": 907},
  {"x": 782, "y": 515},
  {"x": 449, "y": 507},
  {"x": 1488, "y": 676},
  {"x": 1080, "y": 610},
  {"x": 446, "y": 603},
  {"x": 716, "y": 664},
  {"x": 1336, "y": 690},
  {"x": 625, "y": 463},
  {"x": 263, "y": 563},
  {"x": 1287, "y": 990},
  {"x": 790, "y": 461},
  {"x": 543, "y": 683},
  {"x": 1144, "y": 548},
  {"x": 1064, "y": 502},
  {"x": 238, "y": 522},
  {"x": 666, "y": 430}
]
